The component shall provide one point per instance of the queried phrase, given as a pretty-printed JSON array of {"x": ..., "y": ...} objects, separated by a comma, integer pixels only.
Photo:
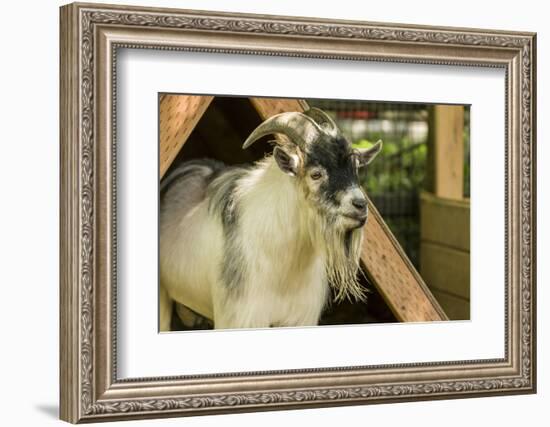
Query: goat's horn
[
  {"x": 322, "y": 119},
  {"x": 298, "y": 127}
]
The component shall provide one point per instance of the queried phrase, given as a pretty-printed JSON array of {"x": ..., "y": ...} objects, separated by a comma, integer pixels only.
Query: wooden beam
[
  {"x": 394, "y": 276},
  {"x": 446, "y": 143},
  {"x": 387, "y": 265},
  {"x": 267, "y": 107},
  {"x": 178, "y": 116}
]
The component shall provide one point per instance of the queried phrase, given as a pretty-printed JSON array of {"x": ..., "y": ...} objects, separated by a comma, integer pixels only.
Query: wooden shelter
[{"x": 206, "y": 126}]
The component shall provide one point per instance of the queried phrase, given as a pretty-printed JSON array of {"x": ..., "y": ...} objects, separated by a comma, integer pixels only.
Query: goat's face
[
  {"x": 330, "y": 181},
  {"x": 323, "y": 162},
  {"x": 326, "y": 170}
]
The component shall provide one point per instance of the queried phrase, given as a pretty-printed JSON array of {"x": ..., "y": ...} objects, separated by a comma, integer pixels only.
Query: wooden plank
[
  {"x": 178, "y": 116},
  {"x": 267, "y": 107},
  {"x": 445, "y": 269},
  {"x": 445, "y": 221},
  {"x": 456, "y": 308},
  {"x": 446, "y": 146},
  {"x": 394, "y": 276},
  {"x": 387, "y": 265}
]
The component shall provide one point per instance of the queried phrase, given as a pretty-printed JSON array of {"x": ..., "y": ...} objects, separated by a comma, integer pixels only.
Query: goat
[{"x": 261, "y": 245}]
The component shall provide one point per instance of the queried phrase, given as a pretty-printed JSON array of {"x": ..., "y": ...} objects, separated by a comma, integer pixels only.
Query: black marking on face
[{"x": 335, "y": 156}]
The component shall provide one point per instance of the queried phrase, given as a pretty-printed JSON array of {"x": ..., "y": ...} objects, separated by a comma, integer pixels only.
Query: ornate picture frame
[{"x": 90, "y": 37}]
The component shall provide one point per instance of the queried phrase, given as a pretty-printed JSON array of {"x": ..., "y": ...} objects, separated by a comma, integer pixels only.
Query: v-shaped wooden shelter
[{"x": 384, "y": 261}]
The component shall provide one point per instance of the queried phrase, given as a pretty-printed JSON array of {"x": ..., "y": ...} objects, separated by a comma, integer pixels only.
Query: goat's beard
[{"x": 342, "y": 251}]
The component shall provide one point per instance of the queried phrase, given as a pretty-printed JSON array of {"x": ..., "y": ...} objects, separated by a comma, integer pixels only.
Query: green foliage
[{"x": 400, "y": 166}]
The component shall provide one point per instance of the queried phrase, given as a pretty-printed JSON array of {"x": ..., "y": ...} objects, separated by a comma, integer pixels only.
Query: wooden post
[
  {"x": 446, "y": 151},
  {"x": 178, "y": 116},
  {"x": 387, "y": 265},
  {"x": 445, "y": 214}
]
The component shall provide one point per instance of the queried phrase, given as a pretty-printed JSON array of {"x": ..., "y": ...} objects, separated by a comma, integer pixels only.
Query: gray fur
[
  {"x": 223, "y": 202},
  {"x": 195, "y": 180},
  {"x": 185, "y": 187},
  {"x": 206, "y": 168},
  {"x": 233, "y": 264},
  {"x": 221, "y": 193}
]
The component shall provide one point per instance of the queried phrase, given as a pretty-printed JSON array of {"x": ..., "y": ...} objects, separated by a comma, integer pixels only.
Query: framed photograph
[{"x": 267, "y": 212}]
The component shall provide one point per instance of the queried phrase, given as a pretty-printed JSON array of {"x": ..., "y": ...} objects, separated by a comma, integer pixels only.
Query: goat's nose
[{"x": 360, "y": 203}]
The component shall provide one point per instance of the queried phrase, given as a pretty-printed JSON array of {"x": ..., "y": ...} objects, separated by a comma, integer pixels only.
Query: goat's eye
[{"x": 316, "y": 175}]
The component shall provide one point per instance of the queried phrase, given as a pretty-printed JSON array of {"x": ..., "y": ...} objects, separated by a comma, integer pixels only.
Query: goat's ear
[
  {"x": 287, "y": 161},
  {"x": 367, "y": 155}
]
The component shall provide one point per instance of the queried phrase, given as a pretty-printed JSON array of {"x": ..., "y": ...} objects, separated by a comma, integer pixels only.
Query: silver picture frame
[{"x": 90, "y": 37}]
